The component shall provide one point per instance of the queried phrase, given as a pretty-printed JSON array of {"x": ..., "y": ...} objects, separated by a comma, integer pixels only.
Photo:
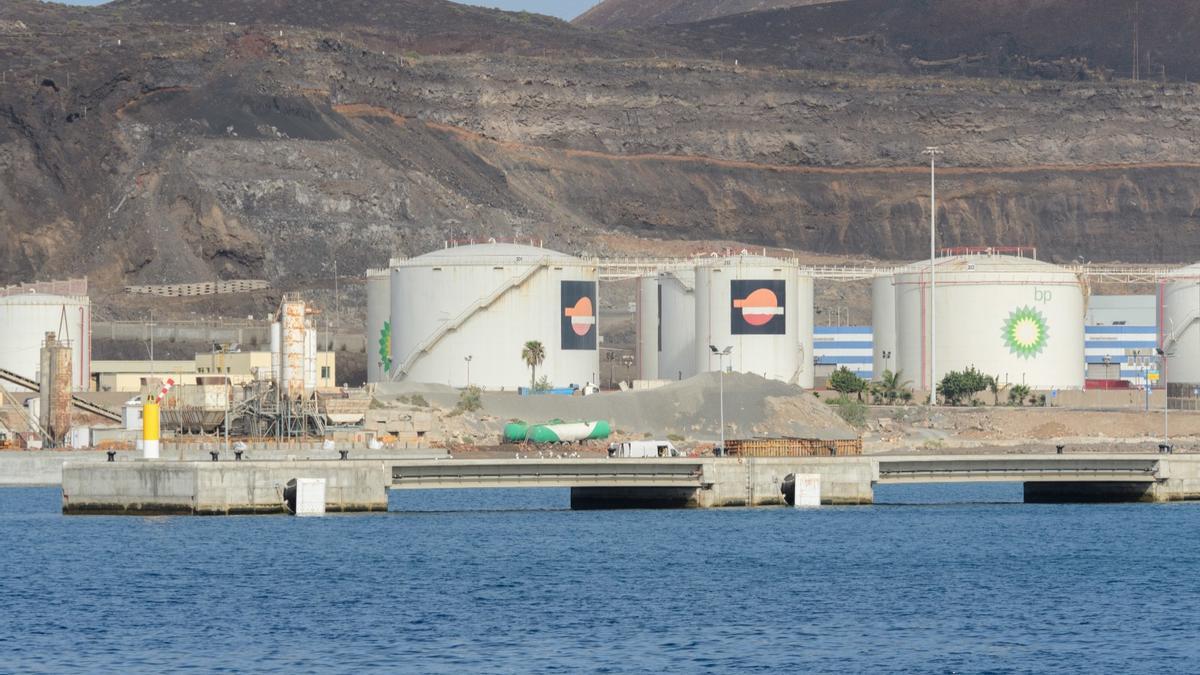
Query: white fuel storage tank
[
  {"x": 1180, "y": 331},
  {"x": 379, "y": 325},
  {"x": 883, "y": 325},
  {"x": 677, "y": 360},
  {"x": 666, "y": 324},
  {"x": 468, "y": 311},
  {"x": 649, "y": 326},
  {"x": 1018, "y": 319},
  {"x": 25, "y": 319},
  {"x": 761, "y": 307}
]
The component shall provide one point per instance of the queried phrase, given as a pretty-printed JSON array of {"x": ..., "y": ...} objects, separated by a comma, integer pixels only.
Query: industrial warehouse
[{"x": 464, "y": 318}]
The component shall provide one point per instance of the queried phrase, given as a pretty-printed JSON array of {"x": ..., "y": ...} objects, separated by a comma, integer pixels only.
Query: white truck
[{"x": 643, "y": 449}]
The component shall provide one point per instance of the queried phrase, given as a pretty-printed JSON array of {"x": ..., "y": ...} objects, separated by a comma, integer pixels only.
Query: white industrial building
[
  {"x": 1015, "y": 318},
  {"x": 462, "y": 315},
  {"x": 29, "y": 312}
]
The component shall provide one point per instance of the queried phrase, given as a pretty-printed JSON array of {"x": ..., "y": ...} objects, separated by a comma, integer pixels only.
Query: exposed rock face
[
  {"x": 1052, "y": 39},
  {"x": 617, "y": 14},
  {"x": 206, "y": 151}
]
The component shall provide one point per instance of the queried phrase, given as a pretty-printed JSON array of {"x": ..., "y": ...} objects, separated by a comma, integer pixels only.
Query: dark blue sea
[{"x": 940, "y": 579}]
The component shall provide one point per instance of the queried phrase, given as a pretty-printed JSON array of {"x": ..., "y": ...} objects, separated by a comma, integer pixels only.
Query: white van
[{"x": 643, "y": 449}]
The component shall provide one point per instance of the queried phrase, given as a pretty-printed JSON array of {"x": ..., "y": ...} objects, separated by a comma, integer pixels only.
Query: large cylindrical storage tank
[
  {"x": 310, "y": 360},
  {"x": 649, "y": 330},
  {"x": 379, "y": 325},
  {"x": 677, "y": 359},
  {"x": 883, "y": 325},
  {"x": 293, "y": 335},
  {"x": 805, "y": 299},
  {"x": 1017, "y": 319},
  {"x": 277, "y": 353},
  {"x": 1181, "y": 325},
  {"x": 485, "y": 302},
  {"x": 27, "y": 317},
  {"x": 749, "y": 303}
]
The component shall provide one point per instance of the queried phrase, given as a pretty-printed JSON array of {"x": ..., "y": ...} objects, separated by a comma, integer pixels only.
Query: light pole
[
  {"x": 933, "y": 152},
  {"x": 1166, "y": 444},
  {"x": 468, "y": 358},
  {"x": 886, "y": 355},
  {"x": 721, "y": 354}
]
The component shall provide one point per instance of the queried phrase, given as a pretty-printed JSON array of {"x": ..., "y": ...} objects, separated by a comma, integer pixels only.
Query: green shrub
[
  {"x": 853, "y": 412},
  {"x": 470, "y": 400},
  {"x": 959, "y": 386},
  {"x": 845, "y": 382}
]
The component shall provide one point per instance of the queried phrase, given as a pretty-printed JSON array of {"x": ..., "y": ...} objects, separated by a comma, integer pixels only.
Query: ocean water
[{"x": 940, "y": 579}]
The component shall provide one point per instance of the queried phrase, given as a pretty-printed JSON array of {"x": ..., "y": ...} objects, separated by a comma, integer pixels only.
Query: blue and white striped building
[
  {"x": 1105, "y": 348},
  {"x": 1114, "y": 324},
  {"x": 837, "y": 346}
]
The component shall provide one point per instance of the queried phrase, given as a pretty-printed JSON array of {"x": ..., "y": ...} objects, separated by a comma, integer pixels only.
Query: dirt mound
[{"x": 690, "y": 409}]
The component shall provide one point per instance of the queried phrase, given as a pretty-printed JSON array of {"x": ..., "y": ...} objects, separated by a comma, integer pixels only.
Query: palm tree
[
  {"x": 533, "y": 353},
  {"x": 892, "y": 386}
]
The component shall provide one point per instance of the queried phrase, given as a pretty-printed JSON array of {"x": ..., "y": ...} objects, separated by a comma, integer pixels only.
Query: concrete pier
[
  {"x": 209, "y": 488},
  {"x": 216, "y": 488}
]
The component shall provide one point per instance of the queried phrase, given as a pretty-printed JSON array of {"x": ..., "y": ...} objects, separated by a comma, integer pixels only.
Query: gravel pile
[{"x": 754, "y": 406}]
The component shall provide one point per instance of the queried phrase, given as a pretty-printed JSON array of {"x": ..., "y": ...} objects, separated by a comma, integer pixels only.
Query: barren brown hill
[
  {"x": 618, "y": 14},
  {"x": 423, "y": 25},
  {"x": 163, "y": 148},
  {"x": 1060, "y": 39}
]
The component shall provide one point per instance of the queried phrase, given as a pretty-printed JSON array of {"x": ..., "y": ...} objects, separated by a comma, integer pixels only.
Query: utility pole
[{"x": 933, "y": 152}]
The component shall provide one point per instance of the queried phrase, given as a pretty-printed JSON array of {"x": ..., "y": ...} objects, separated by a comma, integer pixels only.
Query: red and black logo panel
[
  {"x": 578, "y": 315},
  {"x": 757, "y": 307}
]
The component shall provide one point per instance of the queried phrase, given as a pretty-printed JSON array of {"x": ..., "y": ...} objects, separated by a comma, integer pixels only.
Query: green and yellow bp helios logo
[{"x": 1025, "y": 332}]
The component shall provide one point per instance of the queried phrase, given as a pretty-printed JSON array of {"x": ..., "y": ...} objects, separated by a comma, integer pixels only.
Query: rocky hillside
[
  {"x": 1054, "y": 39},
  {"x": 150, "y": 141},
  {"x": 619, "y": 14}
]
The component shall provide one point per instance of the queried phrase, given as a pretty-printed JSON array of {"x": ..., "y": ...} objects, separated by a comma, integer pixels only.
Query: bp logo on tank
[
  {"x": 385, "y": 347},
  {"x": 1025, "y": 332}
]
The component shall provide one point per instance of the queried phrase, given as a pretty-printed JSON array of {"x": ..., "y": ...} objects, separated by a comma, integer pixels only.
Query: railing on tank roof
[
  {"x": 1019, "y": 251},
  {"x": 62, "y": 287},
  {"x": 537, "y": 243}
]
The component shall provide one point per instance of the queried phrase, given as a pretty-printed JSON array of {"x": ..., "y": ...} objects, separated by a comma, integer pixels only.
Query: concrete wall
[
  {"x": 38, "y": 468},
  {"x": 44, "y": 468},
  {"x": 1182, "y": 475},
  {"x": 217, "y": 488},
  {"x": 757, "y": 481},
  {"x": 748, "y": 481}
]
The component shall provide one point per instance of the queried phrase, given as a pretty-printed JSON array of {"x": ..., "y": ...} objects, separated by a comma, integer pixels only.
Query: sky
[{"x": 564, "y": 9}]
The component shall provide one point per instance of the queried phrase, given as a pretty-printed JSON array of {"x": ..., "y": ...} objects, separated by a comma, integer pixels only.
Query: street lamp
[
  {"x": 1166, "y": 444},
  {"x": 468, "y": 358},
  {"x": 886, "y": 355},
  {"x": 721, "y": 354},
  {"x": 933, "y": 152}
]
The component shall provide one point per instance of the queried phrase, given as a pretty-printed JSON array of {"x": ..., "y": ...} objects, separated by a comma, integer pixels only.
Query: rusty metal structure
[
  {"x": 793, "y": 447},
  {"x": 55, "y": 390}
]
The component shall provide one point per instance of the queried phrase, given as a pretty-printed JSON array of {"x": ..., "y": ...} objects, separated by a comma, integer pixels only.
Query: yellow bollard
[{"x": 150, "y": 429}]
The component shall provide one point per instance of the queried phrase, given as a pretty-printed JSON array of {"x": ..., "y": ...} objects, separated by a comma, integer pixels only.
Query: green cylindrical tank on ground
[
  {"x": 516, "y": 432},
  {"x": 558, "y": 431}
]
